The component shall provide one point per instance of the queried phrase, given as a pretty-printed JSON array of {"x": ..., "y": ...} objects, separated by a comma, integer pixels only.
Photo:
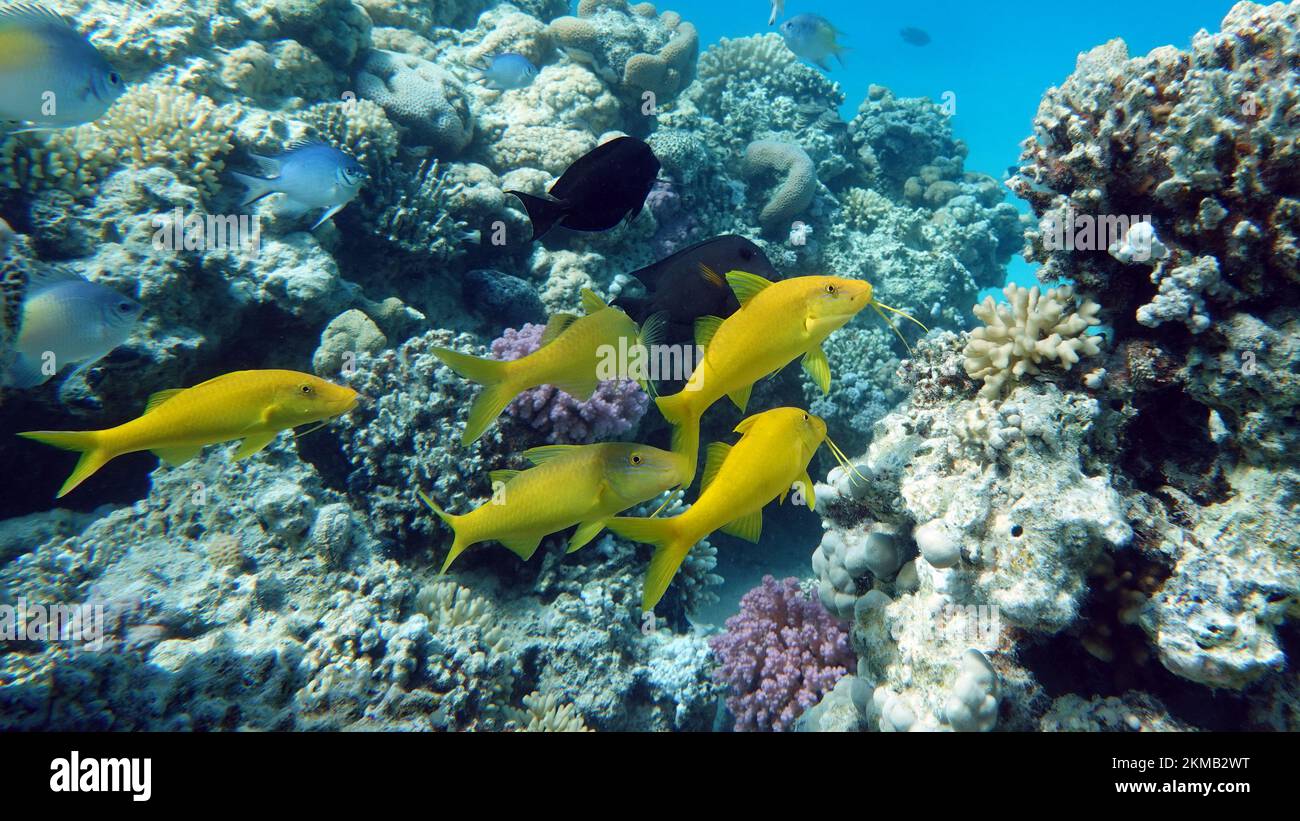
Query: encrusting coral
[
  {"x": 1018, "y": 336},
  {"x": 796, "y": 186}
]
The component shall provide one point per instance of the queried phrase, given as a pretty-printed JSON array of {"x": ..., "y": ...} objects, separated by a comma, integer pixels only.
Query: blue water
[{"x": 997, "y": 58}]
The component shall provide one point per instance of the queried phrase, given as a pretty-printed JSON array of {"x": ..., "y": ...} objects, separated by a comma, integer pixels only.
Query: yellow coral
[{"x": 172, "y": 128}]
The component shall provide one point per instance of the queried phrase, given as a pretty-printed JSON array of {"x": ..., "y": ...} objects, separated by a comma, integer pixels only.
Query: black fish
[
  {"x": 604, "y": 186},
  {"x": 692, "y": 283},
  {"x": 915, "y": 36}
]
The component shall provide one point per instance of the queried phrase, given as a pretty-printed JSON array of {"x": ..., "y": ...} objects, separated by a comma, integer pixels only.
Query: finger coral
[
  {"x": 1019, "y": 336},
  {"x": 781, "y": 653}
]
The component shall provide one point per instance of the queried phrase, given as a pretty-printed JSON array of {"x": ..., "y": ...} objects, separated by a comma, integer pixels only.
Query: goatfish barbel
[
  {"x": 570, "y": 357},
  {"x": 584, "y": 485},
  {"x": 777, "y": 323},
  {"x": 176, "y": 425},
  {"x": 770, "y": 460}
]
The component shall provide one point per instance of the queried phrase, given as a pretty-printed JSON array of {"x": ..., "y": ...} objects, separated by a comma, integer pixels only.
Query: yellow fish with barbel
[
  {"x": 176, "y": 425},
  {"x": 571, "y": 355},
  {"x": 770, "y": 460},
  {"x": 777, "y": 323},
  {"x": 584, "y": 485}
]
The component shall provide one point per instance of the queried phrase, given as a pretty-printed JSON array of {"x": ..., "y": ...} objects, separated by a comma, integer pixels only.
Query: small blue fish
[
  {"x": 813, "y": 38},
  {"x": 50, "y": 74},
  {"x": 67, "y": 320},
  {"x": 508, "y": 71},
  {"x": 311, "y": 175}
]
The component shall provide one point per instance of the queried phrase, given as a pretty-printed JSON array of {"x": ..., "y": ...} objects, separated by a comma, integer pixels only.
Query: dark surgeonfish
[
  {"x": 604, "y": 186},
  {"x": 692, "y": 283},
  {"x": 915, "y": 36}
]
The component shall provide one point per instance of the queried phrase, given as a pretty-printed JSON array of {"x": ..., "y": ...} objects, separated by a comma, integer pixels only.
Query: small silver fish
[
  {"x": 812, "y": 37},
  {"x": 311, "y": 175},
  {"x": 508, "y": 71},
  {"x": 50, "y": 74},
  {"x": 67, "y": 320}
]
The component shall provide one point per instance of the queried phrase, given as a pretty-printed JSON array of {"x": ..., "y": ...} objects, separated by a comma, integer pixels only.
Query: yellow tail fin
[
  {"x": 671, "y": 547},
  {"x": 93, "y": 455},
  {"x": 681, "y": 415},
  {"x": 494, "y": 397},
  {"x": 458, "y": 544}
]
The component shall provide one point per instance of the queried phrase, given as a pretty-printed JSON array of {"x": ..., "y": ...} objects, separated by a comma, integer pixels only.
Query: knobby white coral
[{"x": 1033, "y": 327}]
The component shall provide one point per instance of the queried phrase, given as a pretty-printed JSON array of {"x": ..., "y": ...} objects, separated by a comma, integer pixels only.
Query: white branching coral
[{"x": 1019, "y": 336}]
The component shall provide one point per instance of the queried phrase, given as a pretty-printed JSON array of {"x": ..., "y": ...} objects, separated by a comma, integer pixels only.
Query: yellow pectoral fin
[
  {"x": 522, "y": 546},
  {"x": 806, "y": 488},
  {"x": 252, "y": 444},
  {"x": 819, "y": 368},
  {"x": 584, "y": 534},
  {"x": 178, "y": 455},
  {"x": 748, "y": 527},
  {"x": 740, "y": 398}
]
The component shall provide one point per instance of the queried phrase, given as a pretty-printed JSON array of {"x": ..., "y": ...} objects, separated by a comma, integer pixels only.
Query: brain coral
[
  {"x": 630, "y": 47},
  {"x": 797, "y": 186},
  {"x": 420, "y": 95},
  {"x": 1019, "y": 336}
]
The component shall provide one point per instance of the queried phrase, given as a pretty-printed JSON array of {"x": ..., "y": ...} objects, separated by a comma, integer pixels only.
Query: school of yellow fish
[{"x": 583, "y": 485}]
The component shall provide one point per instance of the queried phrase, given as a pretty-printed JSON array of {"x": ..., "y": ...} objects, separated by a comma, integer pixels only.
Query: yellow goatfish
[
  {"x": 251, "y": 405},
  {"x": 777, "y": 322},
  {"x": 573, "y": 353},
  {"x": 769, "y": 461},
  {"x": 584, "y": 485}
]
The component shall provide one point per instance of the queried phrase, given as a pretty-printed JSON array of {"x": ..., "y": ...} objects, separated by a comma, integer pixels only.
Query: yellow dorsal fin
[
  {"x": 740, "y": 396},
  {"x": 817, "y": 366},
  {"x": 557, "y": 325},
  {"x": 160, "y": 397},
  {"x": 716, "y": 455},
  {"x": 712, "y": 277},
  {"x": 745, "y": 425},
  {"x": 544, "y": 454},
  {"x": 591, "y": 302},
  {"x": 502, "y": 476},
  {"x": 705, "y": 328},
  {"x": 746, "y": 285},
  {"x": 748, "y": 527}
]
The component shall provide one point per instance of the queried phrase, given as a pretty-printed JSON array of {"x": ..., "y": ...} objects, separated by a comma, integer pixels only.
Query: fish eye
[
  {"x": 114, "y": 78},
  {"x": 125, "y": 307},
  {"x": 830, "y": 288},
  {"x": 805, "y": 416},
  {"x": 306, "y": 390},
  {"x": 635, "y": 459}
]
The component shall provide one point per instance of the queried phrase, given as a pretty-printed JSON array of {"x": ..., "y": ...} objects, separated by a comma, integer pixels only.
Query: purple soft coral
[
  {"x": 781, "y": 653},
  {"x": 615, "y": 408}
]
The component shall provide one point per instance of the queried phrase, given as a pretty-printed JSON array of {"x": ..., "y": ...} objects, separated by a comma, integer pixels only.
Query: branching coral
[
  {"x": 781, "y": 653},
  {"x": 1019, "y": 336},
  {"x": 176, "y": 129},
  {"x": 547, "y": 713}
]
